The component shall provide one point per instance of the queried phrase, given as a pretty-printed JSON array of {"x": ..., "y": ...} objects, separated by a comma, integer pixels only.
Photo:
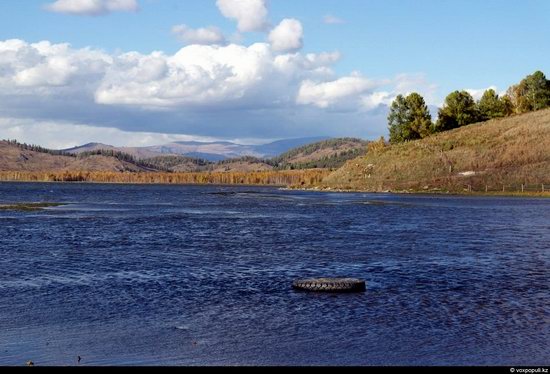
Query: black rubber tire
[{"x": 330, "y": 285}]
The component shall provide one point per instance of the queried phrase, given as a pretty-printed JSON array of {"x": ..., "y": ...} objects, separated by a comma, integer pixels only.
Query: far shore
[
  {"x": 283, "y": 187},
  {"x": 435, "y": 192},
  {"x": 280, "y": 186}
]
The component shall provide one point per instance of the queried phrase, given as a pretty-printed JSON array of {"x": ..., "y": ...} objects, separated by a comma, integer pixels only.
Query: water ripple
[{"x": 185, "y": 275}]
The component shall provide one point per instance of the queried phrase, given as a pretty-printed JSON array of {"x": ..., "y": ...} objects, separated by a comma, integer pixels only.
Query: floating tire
[{"x": 330, "y": 285}]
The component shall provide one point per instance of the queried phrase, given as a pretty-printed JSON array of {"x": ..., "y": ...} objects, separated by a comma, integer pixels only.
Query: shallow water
[{"x": 182, "y": 275}]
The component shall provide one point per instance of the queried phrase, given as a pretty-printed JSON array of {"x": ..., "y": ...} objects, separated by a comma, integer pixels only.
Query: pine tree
[
  {"x": 491, "y": 106},
  {"x": 459, "y": 109},
  {"x": 409, "y": 118}
]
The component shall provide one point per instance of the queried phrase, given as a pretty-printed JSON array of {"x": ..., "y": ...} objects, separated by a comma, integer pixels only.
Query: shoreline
[
  {"x": 283, "y": 187},
  {"x": 147, "y": 183},
  {"x": 529, "y": 194}
]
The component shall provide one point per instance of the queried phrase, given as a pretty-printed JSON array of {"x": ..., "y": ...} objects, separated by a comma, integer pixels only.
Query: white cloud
[
  {"x": 63, "y": 135},
  {"x": 92, "y": 7},
  {"x": 196, "y": 75},
  {"x": 326, "y": 94},
  {"x": 203, "y": 35},
  {"x": 251, "y": 15},
  {"x": 25, "y": 67},
  {"x": 224, "y": 91},
  {"x": 287, "y": 36},
  {"x": 332, "y": 20},
  {"x": 377, "y": 99},
  {"x": 317, "y": 65}
]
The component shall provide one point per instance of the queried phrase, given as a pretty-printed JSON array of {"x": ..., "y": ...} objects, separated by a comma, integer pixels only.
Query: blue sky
[{"x": 379, "y": 49}]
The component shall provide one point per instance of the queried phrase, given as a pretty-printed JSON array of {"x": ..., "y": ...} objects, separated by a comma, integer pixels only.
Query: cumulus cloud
[
  {"x": 287, "y": 36},
  {"x": 196, "y": 75},
  {"x": 332, "y": 20},
  {"x": 342, "y": 90},
  {"x": 24, "y": 67},
  {"x": 203, "y": 35},
  {"x": 251, "y": 15},
  {"x": 226, "y": 91},
  {"x": 92, "y": 7},
  {"x": 377, "y": 99}
]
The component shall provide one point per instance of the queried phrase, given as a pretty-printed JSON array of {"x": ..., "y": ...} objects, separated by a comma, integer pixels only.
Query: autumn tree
[
  {"x": 507, "y": 105},
  {"x": 532, "y": 93}
]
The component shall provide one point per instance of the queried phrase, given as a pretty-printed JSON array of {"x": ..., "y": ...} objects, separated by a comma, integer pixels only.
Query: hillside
[
  {"x": 103, "y": 163},
  {"x": 211, "y": 151},
  {"x": 242, "y": 164},
  {"x": 489, "y": 155},
  {"x": 89, "y": 147},
  {"x": 331, "y": 153},
  {"x": 17, "y": 158},
  {"x": 178, "y": 163},
  {"x": 137, "y": 152},
  {"x": 13, "y": 157}
]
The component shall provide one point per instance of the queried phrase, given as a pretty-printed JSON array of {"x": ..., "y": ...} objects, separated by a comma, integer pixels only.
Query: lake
[{"x": 201, "y": 275}]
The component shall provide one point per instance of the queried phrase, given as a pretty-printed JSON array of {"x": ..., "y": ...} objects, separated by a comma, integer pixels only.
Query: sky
[{"x": 144, "y": 72}]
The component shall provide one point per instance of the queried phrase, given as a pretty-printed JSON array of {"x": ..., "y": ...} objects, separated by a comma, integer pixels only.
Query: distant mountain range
[
  {"x": 212, "y": 151},
  {"x": 183, "y": 156}
]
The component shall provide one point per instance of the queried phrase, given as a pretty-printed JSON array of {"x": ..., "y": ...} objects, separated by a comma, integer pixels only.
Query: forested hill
[{"x": 331, "y": 153}]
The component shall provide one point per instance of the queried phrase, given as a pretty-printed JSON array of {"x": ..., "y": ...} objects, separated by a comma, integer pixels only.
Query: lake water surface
[{"x": 188, "y": 275}]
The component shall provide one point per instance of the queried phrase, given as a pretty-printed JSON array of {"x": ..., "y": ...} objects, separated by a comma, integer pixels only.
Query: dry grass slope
[{"x": 483, "y": 156}]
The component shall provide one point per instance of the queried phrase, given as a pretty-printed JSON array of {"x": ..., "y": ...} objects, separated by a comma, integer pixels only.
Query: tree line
[
  {"x": 37, "y": 148},
  {"x": 125, "y": 157},
  {"x": 410, "y": 119}
]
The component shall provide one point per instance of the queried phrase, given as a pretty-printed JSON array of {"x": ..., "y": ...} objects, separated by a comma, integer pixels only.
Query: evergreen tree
[
  {"x": 397, "y": 120},
  {"x": 459, "y": 109},
  {"x": 491, "y": 106},
  {"x": 409, "y": 118}
]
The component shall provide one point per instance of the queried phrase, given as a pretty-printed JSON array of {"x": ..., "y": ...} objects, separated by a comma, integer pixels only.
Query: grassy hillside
[
  {"x": 489, "y": 155},
  {"x": 14, "y": 157}
]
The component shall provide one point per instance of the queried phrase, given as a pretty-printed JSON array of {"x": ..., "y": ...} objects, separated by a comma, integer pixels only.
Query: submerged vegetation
[{"x": 28, "y": 206}]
